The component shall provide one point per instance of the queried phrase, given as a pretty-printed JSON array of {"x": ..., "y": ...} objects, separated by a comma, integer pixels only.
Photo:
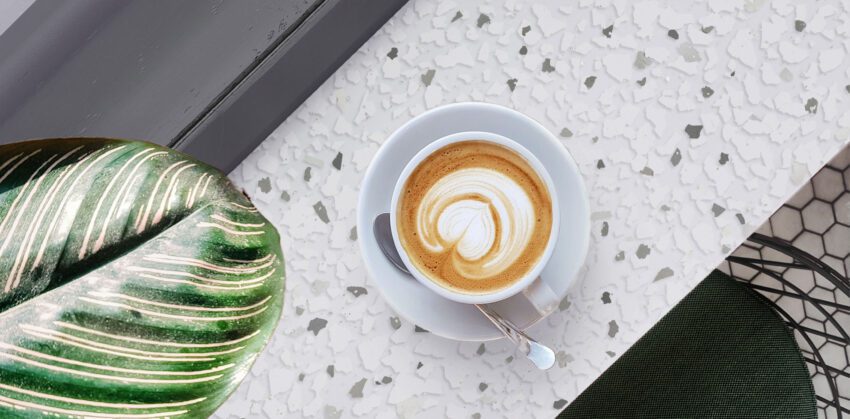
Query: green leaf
[{"x": 135, "y": 281}]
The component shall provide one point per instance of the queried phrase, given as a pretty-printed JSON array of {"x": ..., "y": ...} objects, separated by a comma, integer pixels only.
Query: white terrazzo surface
[{"x": 770, "y": 94}]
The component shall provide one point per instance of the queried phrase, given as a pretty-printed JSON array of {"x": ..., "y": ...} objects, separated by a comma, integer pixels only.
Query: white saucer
[{"x": 414, "y": 301}]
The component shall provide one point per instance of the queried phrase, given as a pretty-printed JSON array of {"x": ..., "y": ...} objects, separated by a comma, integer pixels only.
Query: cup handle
[{"x": 541, "y": 297}]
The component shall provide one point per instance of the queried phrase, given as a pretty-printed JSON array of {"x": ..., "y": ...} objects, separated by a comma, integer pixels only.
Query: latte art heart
[
  {"x": 468, "y": 225},
  {"x": 482, "y": 217},
  {"x": 474, "y": 217}
]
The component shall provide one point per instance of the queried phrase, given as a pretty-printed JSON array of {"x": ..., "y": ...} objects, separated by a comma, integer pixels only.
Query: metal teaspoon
[{"x": 539, "y": 354}]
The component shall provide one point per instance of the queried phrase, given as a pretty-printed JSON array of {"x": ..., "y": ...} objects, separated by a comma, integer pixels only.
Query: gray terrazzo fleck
[
  {"x": 330, "y": 370},
  {"x": 457, "y": 16},
  {"x": 352, "y": 235},
  {"x": 647, "y": 171},
  {"x": 337, "y": 161},
  {"x": 611, "y": 353},
  {"x": 547, "y": 66},
  {"x": 526, "y": 30},
  {"x": 621, "y": 255},
  {"x": 613, "y": 328},
  {"x": 642, "y": 251},
  {"x": 559, "y": 404},
  {"x": 428, "y": 77},
  {"x": 600, "y": 164},
  {"x": 589, "y": 81},
  {"x": 265, "y": 185},
  {"x": 393, "y": 53},
  {"x": 707, "y": 29},
  {"x": 321, "y": 211},
  {"x": 799, "y": 25},
  {"x": 724, "y": 158},
  {"x": 284, "y": 195},
  {"x": 606, "y": 297},
  {"x": 316, "y": 325},
  {"x": 689, "y": 53},
  {"x": 607, "y": 31},
  {"x": 676, "y": 157},
  {"x": 299, "y": 310},
  {"x": 482, "y": 386},
  {"x": 642, "y": 82},
  {"x": 523, "y": 50},
  {"x": 707, "y": 92},
  {"x": 566, "y": 133},
  {"x": 673, "y": 34},
  {"x": 740, "y": 218},
  {"x": 308, "y": 174},
  {"x": 604, "y": 231},
  {"x": 482, "y": 20},
  {"x": 356, "y": 390},
  {"x": 418, "y": 329},
  {"x": 693, "y": 131},
  {"x": 664, "y": 273},
  {"x": 717, "y": 210},
  {"x": 357, "y": 291},
  {"x": 512, "y": 84},
  {"x": 812, "y": 105},
  {"x": 564, "y": 304},
  {"x": 481, "y": 349},
  {"x": 642, "y": 61}
]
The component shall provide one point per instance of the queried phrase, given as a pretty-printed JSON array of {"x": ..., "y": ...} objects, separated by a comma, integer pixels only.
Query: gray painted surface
[
  {"x": 291, "y": 72},
  {"x": 141, "y": 69},
  {"x": 34, "y": 48},
  {"x": 11, "y": 10}
]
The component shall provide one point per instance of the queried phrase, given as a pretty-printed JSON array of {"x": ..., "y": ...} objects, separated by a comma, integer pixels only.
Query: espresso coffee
[{"x": 474, "y": 217}]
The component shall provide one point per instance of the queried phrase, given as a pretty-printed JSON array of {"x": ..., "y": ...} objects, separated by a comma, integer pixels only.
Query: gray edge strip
[{"x": 255, "y": 105}]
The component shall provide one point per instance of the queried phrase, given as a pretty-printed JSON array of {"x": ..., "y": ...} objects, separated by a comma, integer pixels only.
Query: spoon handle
[{"x": 540, "y": 355}]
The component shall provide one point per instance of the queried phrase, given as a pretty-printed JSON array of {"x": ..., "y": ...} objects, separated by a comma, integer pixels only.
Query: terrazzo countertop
[{"x": 691, "y": 124}]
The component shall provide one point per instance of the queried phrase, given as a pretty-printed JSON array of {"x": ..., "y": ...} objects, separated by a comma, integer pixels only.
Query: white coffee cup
[{"x": 530, "y": 284}]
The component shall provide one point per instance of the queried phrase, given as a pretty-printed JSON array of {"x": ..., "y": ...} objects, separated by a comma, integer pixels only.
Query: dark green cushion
[{"x": 720, "y": 353}]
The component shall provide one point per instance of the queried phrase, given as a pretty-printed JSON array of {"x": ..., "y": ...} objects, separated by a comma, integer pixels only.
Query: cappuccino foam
[{"x": 474, "y": 217}]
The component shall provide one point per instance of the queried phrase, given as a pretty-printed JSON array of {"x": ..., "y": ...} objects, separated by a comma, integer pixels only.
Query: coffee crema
[{"x": 474, "y": 217}]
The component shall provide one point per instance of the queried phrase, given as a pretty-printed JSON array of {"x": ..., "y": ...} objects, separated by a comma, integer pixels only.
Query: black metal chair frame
[{"x": 804, "y": 334}]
